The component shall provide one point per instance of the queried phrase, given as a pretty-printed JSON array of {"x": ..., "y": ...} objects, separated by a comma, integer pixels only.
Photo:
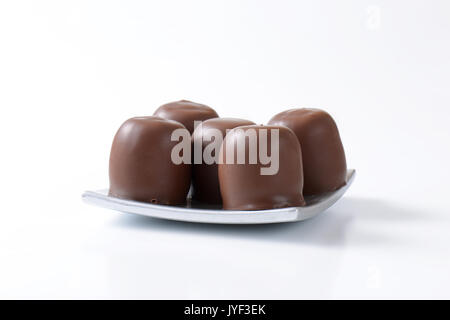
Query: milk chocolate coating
[
  {"x": 244, "y": 188},
  {"x": 324, "y": 164},
  {"x": 140, "y": 165},
  {"x": 205, "y": 180},
  {"x": 186, "y": 112}
]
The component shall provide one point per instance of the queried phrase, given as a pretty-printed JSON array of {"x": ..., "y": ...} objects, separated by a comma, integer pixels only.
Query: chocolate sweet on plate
[
  {"x": 260, "y": 175},
  {"x": 185, "y": 112},
  {"x": 324, "y": 164},
  {"x": 207, "y": 138},
  {"x": 140, "y": 165}
]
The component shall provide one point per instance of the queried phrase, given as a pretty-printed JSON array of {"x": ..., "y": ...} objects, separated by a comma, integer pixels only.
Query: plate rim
[{"x": 220, "y": 216}]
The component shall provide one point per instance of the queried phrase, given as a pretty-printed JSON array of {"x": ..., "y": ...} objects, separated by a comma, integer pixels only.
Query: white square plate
[{"x": 194, "y": 212}]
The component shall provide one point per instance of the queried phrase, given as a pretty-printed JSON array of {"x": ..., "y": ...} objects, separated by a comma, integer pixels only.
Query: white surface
[
  {"x": 72, "y": 71},
  {"x": 201, "y": 213}
]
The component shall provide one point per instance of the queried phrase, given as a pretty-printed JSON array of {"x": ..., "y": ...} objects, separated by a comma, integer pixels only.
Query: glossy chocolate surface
[
  {"x": 140, "y": 166},
  {"x": 205, "y": 181},
  {"x": 185, "y": 112},
  {"x": 244, "y": 188},
  {"x": 324, "y": 163}
]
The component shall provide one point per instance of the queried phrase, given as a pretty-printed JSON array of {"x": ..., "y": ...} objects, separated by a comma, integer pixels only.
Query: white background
[{"x": 72, "y": 71}]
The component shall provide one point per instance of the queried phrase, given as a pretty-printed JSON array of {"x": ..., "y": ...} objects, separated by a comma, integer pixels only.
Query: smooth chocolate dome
[
  {"x": 140, "y": 165},
  {"x": 243, "y": 187},
  {"x": 324, "y": 164},
  {"x": 186, "y": 112},
  {"x": 205, "y": 181}
]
